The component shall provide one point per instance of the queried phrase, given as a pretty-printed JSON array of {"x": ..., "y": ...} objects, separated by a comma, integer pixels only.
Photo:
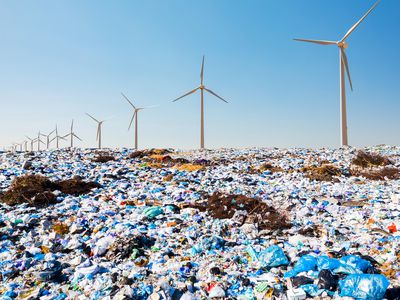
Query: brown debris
[
  {"x": 322, "y": 173},
  {"x": 224, "y": 207},
  {"x": 373, "y": 166},
  {"x": 368, "y": 160},
  {"x": 103, "y": 158},
  {"x": 37, "y": 190},
  {"x": 270, "y": 167}
]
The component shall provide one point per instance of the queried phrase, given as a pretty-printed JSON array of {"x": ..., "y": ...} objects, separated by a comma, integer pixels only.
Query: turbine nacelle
[{"x": 343, "y": 44}]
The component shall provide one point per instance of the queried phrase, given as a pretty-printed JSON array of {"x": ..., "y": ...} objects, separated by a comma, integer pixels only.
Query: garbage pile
[{"x": 214, "y": 224}]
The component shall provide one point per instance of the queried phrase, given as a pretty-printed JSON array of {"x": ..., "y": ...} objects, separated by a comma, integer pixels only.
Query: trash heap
[{"x": 222, "y": 224}]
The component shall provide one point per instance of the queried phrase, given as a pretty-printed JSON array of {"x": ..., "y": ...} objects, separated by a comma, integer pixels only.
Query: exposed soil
[
  {"x": 270, "y": 167},
  {"x": 144, "y": 153},
  {"x": 37, "y": 190},
  {"x": 103, "y": 158},
  {"x": 224, "y": 207}
]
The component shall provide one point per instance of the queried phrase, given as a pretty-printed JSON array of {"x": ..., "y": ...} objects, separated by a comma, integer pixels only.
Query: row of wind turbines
[{"x": 344, "y": 70}]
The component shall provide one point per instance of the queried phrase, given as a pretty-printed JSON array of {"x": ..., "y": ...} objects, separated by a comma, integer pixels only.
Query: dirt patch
[
  {"x": 368, "y": 160},
  {"x": 270, "y": 167},
  {"x": 373, "y": 166},
  {"x": 103, "y": 158},
  {"x": 144, "y": 153},
  {"x": 322, "y": 173},
  {"x": 189, "y": 167},
  {"x": 225, "y": 206},
  {"x": 75, "y": 186},
  {"x": 379, "y": 173},
  {"x": 37, "y": 190}
]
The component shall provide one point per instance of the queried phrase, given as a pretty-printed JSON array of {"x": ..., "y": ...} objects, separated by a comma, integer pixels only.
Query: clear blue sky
[{"x": 60, "y": 59}]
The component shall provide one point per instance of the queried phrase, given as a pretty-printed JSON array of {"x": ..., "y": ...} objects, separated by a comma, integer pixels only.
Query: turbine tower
[
  {"x": 344, "y": 68},
  {"x": 202, "y": 88},
  {"x": 135, "y": 114},
  {"x": 72, "y": 135},
  {"x": 98, "y": 134}
]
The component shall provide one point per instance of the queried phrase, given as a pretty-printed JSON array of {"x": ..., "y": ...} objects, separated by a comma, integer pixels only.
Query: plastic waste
[{"x": 364, "y": 286}]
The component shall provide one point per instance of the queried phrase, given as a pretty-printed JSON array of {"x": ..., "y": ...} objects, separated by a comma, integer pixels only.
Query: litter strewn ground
[{"x": 220, "y": 224}]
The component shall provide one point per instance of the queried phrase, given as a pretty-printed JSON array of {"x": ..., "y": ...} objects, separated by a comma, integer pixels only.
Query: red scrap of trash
[{"x": 392, "y": 228}]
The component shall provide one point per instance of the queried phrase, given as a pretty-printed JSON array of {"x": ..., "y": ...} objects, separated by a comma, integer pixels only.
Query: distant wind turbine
[
  {"x": 38, "y": 140},
  {"x": 202, "y": 88},
  {"x": 32, "y": 141},
  {"x": 48, "y": 141},
  {"x": 344, "y": 67},
  {"x": 57, "y": 138},
  {"x": 72, "y": 134},
  {"x": 25, "y": 145},
  {"x": 135, "y": 114},
  {"x": 98, "y": 134}
]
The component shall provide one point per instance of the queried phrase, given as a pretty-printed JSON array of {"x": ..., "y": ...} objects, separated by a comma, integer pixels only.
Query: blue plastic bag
[
  {"x": 326, "y": 263},
  {"x": 273, "y": 257},
  {"x": 304, "y": 264},
  {"x": 356, "y": 262},
  {"x": 364, "y": 286}
]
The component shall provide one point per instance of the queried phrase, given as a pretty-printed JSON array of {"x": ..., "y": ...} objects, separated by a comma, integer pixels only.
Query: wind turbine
[
  {"x": 48, "y": 141},
  {"x": 72, "y": 134},
  {"x": 38, "y": 140},
  {"x": 98, "y": 134},
  {"x": 344, "y": 67},
  {"x": 57, "y": 138},
  {"x": 202, "y": 88},
  {"x": 32, "y": 141},
  {"x": 135, "y": 113},
  {"x": 25, "y": 145}
]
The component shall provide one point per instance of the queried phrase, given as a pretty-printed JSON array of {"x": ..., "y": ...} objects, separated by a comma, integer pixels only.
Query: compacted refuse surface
[{"x": 215, "y": 224}]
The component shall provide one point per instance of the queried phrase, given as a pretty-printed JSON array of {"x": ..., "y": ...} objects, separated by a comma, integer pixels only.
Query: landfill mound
[
  {"x": 207, "y": 224},
  {"x": 225, "y": 206},
  {"x": 37, "y": 190}
]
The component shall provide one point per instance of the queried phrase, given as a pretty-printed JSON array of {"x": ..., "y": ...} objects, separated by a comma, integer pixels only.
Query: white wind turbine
[
  {"x": 48, "y": 141},
  {"x": 32, "y": 141},
  {"x": 72, "y": 134},
  {"x": 202, "y": 88},
  {"x": 98, "y": 134},
  {"x": 57, "y": 138},
  {"x": 135, "y": 114},
  {"x": 344, "y": 67},
  {"x": 38, "y": 140}
]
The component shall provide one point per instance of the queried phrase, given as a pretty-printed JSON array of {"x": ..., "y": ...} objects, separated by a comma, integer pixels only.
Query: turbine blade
[
  {"x": 133, "y": 116},
  {"x": 187, "y": 94},
  {"x": 92, "y": 118},
  {"x": 211, "y": 92},
  {"x": 359, "y": 22},
  {"x": 127, "y": 99},
  {"x": 77, "y": 137},
  {"x": 72, "y": 125},
  {"x": 320, "y": 42},
  {"x": 346, "y": 65},
  {"x": 202, "y": 71}
]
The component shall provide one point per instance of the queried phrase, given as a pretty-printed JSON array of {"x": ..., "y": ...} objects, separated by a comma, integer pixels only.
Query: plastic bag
[
  {"x": 273, "y": 257},
  {"x": 304, "y": 264},
  {"x": 356, "y": 262},
  {"x": 364, "y": 286},
  {"x": 325, "y": 262},
  {"x": 327, "y": 281}
]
